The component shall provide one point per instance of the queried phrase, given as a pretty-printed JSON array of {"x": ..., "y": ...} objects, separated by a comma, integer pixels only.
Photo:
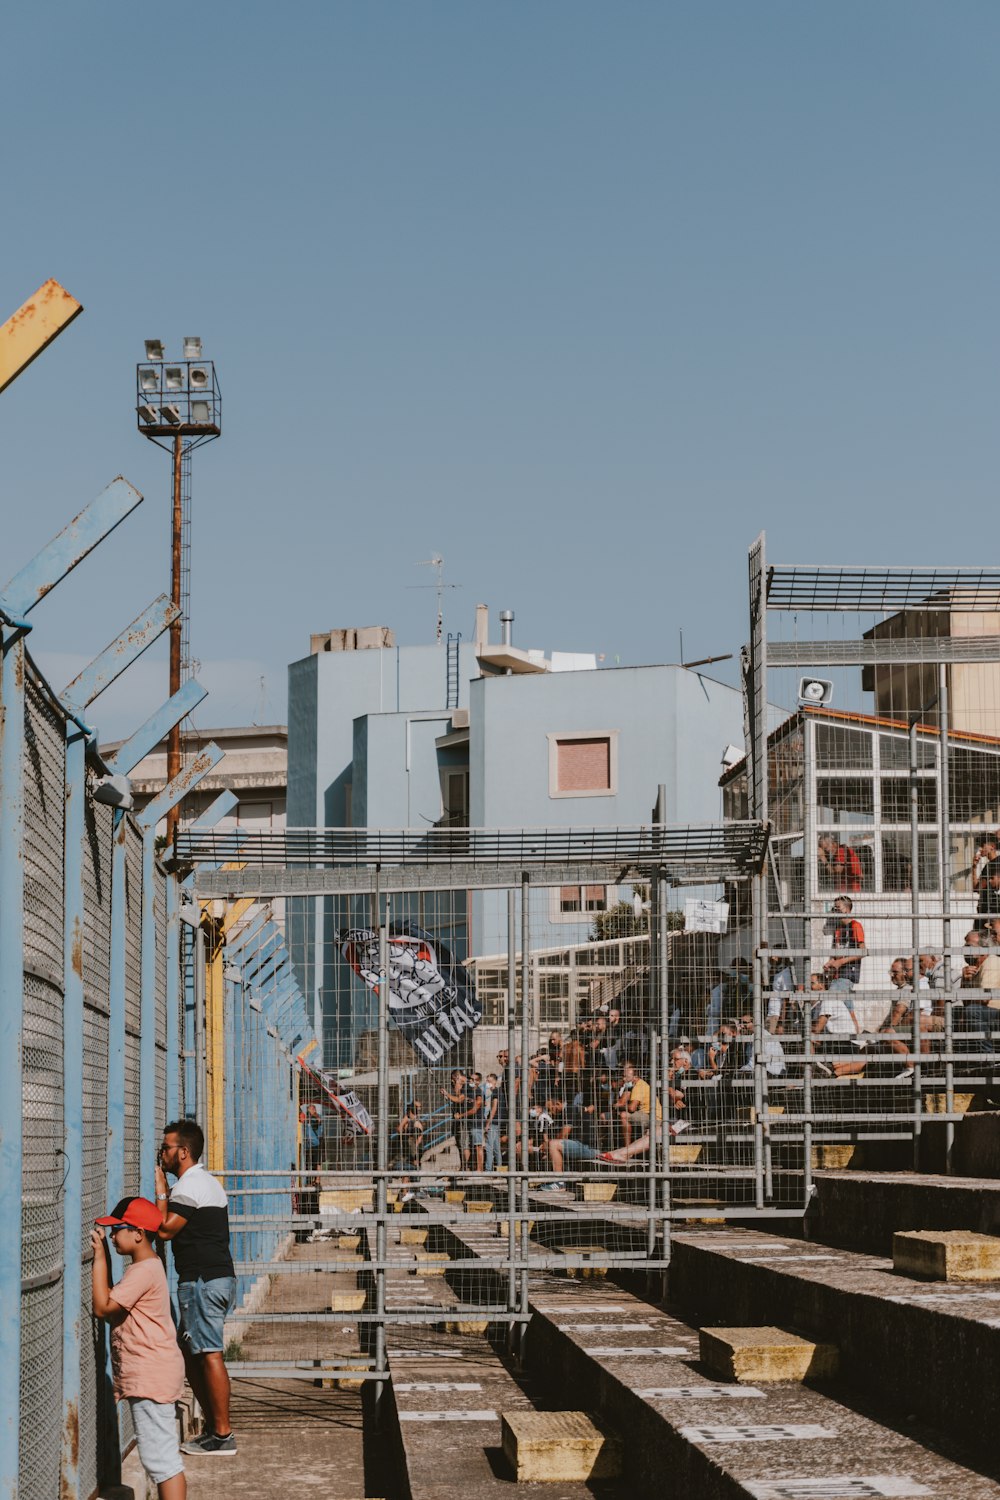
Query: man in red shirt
[{"x": 838, "y": 865}]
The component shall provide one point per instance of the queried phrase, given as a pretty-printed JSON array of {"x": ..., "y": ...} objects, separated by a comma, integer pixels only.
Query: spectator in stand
[
  {"x": 900, "y": 1017},
  {"x": 772, "y": 1050},
  {"x": 410, "y": 1132},
  {"x": 477, "y": 1114},
  {"x": 574, "y": 1062},
  {"x": 458, "y": 1098},
  {"x": 932, "y": 969},
  {"x": 838, "y": 865},
  {"x": 635, "y": 1096},
  {"x": 712, "y": 1059},
  {"x": 975, "y": 957},
  {"x": 986, "y": 876},
  {"x": 843, "y": 968},
  {"x": 311, "y": 1117},
  {"x": 783, "y": 986},
  {"x": 491, "y": 1126},
  {"x": 503, "y": 1112},
  {"x": 833, "y": 1027}
]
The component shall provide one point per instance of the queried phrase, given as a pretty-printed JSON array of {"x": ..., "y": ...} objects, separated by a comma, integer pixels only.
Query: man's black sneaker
[{"x": 210, "y": 1444}]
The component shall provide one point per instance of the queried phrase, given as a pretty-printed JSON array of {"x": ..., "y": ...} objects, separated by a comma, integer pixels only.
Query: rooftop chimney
[{"x": 506, "y": 621}]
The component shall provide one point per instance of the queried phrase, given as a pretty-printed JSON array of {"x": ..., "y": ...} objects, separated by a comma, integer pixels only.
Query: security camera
[
  {"x": 114, "y": 791},
  {"x": 815, "y": 692}
]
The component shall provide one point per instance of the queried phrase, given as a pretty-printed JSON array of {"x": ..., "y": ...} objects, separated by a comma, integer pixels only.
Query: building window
[
  {"x": 571, "y": 902},
  {"x": 583, "y": 765}
]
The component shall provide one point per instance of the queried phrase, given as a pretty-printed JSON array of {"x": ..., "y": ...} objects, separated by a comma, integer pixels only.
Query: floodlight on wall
[
  {"x": 254, "y": 1000},
  {"x": 173, "y": 378},
  {"x": 815, "y": 692},
  {"x": 154, "y": 348},
  {"x": 731, "y": 755},
  {"x": 198, "y": 378},
  {"x": 149, "y": 379},
  {"x": 172, "y": 415},
  {"x": 232, "y": 973},
  {"x": 149, "y": 415},
  {"x": 201, "y": 411},
  {"x": 192, "y": 347},
  {"x": 114, "y": 791},
  {"x": 190, "y": 912}
]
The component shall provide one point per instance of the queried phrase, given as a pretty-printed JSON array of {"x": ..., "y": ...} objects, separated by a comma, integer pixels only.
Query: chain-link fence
[{"x": 81, "y": 1046}]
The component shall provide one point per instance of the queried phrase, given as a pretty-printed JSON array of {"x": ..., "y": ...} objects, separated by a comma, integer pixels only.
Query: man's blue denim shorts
[{"x": 204, "y": 1306}]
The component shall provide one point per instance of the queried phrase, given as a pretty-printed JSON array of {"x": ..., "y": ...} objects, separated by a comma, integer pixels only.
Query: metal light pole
[{"x": 179, "y": 408}]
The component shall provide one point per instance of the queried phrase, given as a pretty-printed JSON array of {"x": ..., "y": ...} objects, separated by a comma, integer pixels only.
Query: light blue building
[{"x": 384, "y": 736}]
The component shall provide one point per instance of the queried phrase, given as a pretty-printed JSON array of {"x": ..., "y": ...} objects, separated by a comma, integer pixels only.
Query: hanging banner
[
  {"x": 431, "y": 1001},
  {"x": 358, "y": 1121}
]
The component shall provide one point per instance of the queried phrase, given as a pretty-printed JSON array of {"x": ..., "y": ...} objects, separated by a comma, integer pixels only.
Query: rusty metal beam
[{"x": 33, "y": 327}]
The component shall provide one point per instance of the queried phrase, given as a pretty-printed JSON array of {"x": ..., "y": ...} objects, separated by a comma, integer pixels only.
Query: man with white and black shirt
[{"x": 196, "y": 1220}]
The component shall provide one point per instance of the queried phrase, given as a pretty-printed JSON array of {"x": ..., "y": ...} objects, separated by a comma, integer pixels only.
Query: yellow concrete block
[
  {"x": 454, "y": 1195},
  {"x": 464, "y": 1325},
  {"x": 346, "y": 1200},
  {"x": 834, "y": 1158},
  {"x": 594, "y": 1266},
  {"x": 347, "y": 1301},
  {"x": 595, "y": 1192},
  {"x": 753, "y": 1355},
  {"x": 937, "y": 1104},
  {"x": 413, "y": 1236},
  {"x": 349, "y": 1242},
  {"x": 503, "y": 1226},
  {"x": 558, "y": 1446},
  {"x": 947, "y": 1255},
  {"x": 681, "y": 1156},
  {"x": 478, "y": 1206},
  {"x": 426, "y": 1264}
]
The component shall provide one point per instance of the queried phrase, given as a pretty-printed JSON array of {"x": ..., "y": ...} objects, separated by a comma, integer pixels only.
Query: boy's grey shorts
[{"x": 155, "y": 1424}]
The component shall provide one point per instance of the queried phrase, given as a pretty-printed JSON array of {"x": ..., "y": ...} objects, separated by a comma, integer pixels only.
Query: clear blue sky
[{"x": 580, "y": 295}]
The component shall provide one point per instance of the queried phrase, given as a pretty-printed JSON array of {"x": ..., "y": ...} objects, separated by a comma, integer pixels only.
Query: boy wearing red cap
[{"x": 146, "y": 1360}]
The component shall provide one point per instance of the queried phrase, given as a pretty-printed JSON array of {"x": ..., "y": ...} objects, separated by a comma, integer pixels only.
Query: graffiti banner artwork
[{"x": 431, "y": 1001}]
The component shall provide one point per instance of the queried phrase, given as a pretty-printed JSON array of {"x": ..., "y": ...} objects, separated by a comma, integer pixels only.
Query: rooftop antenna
[{"x": 436, "y": 561}]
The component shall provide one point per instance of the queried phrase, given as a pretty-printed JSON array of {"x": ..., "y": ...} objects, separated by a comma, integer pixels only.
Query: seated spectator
[
  {"x": 771, "y": 1048},
  {"x": 932, "y": 969},
  {"x": 986, "y": 875},
  {"x": 783, "y": 986},
  {"x": 711, "y": 1060},
  {"x": 975, "y": 957},
  {"x": 899, "y": 1020},
  {"x": 833, "y": 1027},
  {"x": 634, "y": 1103}
]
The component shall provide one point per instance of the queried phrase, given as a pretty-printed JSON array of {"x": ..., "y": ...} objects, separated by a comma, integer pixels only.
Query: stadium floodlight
[
  {"x": 192, "y": 347},
  {"x": 173, "y": 378},
  {"x": 114, "y": 791},
  {"x": 154, "y": 349},
  {"x": 815, "y": 692},
  {"x": 149, "y": 415},
  {"x": 171, "y": 414},
  {"x": 149, "y": 378},
  {"x": 201, "y": 411},
  {"x": 198, "y": 378}
]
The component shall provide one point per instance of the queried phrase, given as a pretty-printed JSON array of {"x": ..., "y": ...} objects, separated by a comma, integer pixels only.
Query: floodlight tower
[{"x": 179, "y": 408}]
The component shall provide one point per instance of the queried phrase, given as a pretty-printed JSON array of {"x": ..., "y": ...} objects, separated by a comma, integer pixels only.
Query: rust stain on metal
[
  {"x": 76, "y": 950},
  {"x": 67, "y": 1490}
]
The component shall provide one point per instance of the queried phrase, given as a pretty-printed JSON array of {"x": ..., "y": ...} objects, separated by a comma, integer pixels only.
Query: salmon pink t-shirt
[{"x": 145, "y": 1355}]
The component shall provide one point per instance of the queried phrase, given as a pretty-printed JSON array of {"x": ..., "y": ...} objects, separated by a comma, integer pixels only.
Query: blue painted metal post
[
  {"x": 172, "y": 1104},
  {"x": 148, "y": 1124},
  {"x": 11, "y": 1025},
  {"x": 73, "y": 1247},
  {"x": 116, "y": 1022}
]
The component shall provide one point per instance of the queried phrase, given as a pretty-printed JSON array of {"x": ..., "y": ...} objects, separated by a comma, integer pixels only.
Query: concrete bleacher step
[
  {"x": 863, "y": 1210},
  {"x": 640, "y": 1369},
  {"x": 927, "y": 1351}
]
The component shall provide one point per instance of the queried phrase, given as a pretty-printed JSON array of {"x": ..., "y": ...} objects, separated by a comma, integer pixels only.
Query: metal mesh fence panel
[
  {"x": 160, "y": 925},
  {"x": 133, "y": 927},
  {"x": 97, "y": 900},
  {"x": 41, "y": 1392},
  {"x": 41, "y": 1237},
  {"x": 44, "y": 761},
  {"x": 95, "y": 1114},
  {"x": 132, "y": 1179}
]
